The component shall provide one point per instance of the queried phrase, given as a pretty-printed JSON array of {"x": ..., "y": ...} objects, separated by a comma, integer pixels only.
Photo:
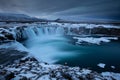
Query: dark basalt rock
[
  {"x": 2, "y": 38},
  {"x": 106, "y": 31},
  {"x": 24, "y": 78},
  {"x": 67, "y": 76},
  {"x": 9, "y": 76},
  {"x": 94, "y": 31},
  {"x": 19, "y": 33},
  {"x": 27, "y": 59},
  {"x": 9, "y": 36}
]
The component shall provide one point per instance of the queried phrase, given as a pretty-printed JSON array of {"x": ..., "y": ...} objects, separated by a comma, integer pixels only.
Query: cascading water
[{"x": 46, "y": 43}]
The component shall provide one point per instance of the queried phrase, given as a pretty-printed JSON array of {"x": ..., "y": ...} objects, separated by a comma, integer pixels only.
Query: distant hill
[
  {"x": 17, "y": 17},
  {"x": 61, "y": 20},
  {"x": 11, "y": 17}
]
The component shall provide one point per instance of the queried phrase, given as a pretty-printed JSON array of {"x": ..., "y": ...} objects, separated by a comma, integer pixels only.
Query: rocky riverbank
[{"x": 30, "y": 69}]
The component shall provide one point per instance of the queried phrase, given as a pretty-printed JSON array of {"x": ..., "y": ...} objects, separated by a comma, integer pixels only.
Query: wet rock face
[
  {"x": 106, "y": 31},
  {"x": 19, "y": 33},
  {"x": 80, "y": 31},
  {"x": 99, "y": 30},
  {"x": 2, "y": 38},
  {"x": 6, "y": 35},
  {"x": 93, "y": 31},
  {"x": 11, "y": 34}
]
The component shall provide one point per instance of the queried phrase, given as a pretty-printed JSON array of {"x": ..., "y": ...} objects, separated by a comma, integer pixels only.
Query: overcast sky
[{"x": 73, "y": 9}]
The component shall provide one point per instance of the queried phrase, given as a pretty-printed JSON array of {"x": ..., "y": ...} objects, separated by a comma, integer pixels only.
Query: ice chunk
[{"x": 101, "y": 65}]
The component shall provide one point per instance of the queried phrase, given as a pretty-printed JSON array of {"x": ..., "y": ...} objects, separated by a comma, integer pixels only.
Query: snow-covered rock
[
  {"x": 29, "y": 68},
  {"x": 111, "y": 75}
]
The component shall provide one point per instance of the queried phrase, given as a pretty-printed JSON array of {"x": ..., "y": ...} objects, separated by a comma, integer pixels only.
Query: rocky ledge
[{"x": 30, "y": 69}]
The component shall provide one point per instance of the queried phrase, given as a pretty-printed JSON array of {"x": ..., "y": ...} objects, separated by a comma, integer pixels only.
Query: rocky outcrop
[
  {"x": 11, "y": 34},
  {"x": 20, "y": 33},
  {"x": 95, "y": 31},
  {"x": 30, "y": 69},
  {"x": 6, "y": 35},
  {"x": 106, "y": 31}
]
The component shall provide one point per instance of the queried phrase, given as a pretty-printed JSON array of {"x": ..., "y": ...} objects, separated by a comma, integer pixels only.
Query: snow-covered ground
[
  {"x": 29, "y": 68},
  {"x": 93, "y": 40}
]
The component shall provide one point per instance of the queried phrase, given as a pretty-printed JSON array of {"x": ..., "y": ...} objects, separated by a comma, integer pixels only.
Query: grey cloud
[{"x": 47, "y": 8}]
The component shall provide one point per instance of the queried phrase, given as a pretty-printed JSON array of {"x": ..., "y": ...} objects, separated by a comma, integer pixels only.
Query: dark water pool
[{"x": 88, "y": 56}]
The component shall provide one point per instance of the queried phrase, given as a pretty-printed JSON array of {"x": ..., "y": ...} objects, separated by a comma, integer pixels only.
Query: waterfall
[
  {"x": 59, "y": 30},
  {"x": 30, "y": 33},
  {"x": 33, "y": 31},
  {"x": 24, "y": 32},
  {"x": 52, "y": 29},
  {"x": 90, "y": 30},
  {"x": 69, "y": 31},
  {"x": 46, "y": 43}
]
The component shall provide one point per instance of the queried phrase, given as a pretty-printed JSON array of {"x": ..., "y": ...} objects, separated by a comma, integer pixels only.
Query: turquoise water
[
  {"x": 88, "y": 56},
  {"x": 60, "y": 50}
]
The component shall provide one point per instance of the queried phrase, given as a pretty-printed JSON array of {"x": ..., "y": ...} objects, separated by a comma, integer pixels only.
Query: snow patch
[
  {"x": 93, "y": 40},
  {"x": 108, "y": 75},
  {"x": 113, "y": 67},
  {"x": 101, "y": 65}
]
